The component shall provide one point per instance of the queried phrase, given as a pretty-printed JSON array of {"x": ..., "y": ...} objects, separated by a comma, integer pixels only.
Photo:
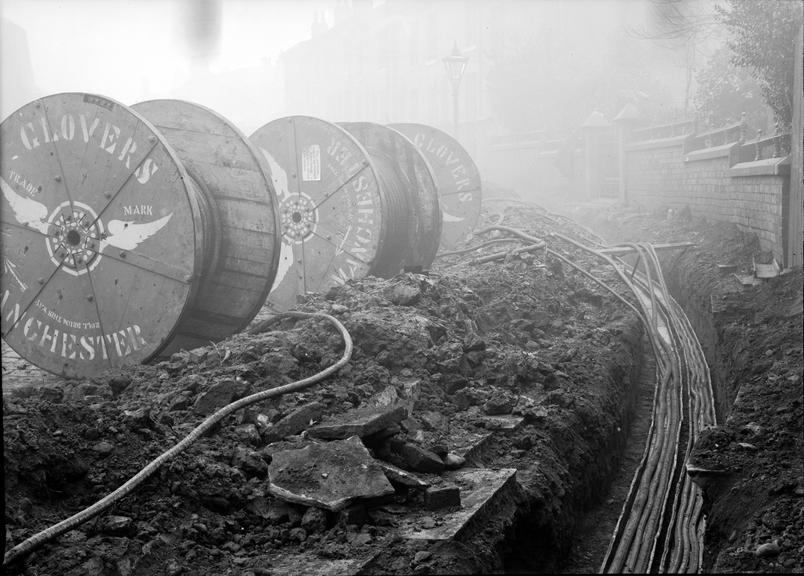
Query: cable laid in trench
[
  {"x": 37, "y": 540},
  {"x": 657, "y": 492}
]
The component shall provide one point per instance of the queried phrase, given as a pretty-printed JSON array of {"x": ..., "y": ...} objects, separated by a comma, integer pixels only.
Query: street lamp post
[{"x": 455, "y": 65}]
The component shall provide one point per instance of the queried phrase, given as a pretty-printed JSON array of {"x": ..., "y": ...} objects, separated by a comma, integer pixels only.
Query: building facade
[{"x": 382, "y": 61}]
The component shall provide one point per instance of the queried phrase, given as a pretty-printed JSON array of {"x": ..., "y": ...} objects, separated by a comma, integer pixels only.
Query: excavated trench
[
  {"x": 751, "y": 338},
  {"x": 576, "y": 539}
]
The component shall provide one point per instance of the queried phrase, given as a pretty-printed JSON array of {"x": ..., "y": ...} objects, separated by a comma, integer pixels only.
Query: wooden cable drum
[
  {"x": 236, "y": 184},
  {"x": 408, "y": 174},
  {"x": 339, "y": 218},
  {"x": 108, "y": 244},
  {"x": 457, "y": 179}
]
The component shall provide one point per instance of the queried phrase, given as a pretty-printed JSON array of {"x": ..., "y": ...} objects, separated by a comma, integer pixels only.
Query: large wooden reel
[
  {"x": 457, "y": 179},
  {"x": 107, "y": 241},
  {"x": 331, "y": 207}
]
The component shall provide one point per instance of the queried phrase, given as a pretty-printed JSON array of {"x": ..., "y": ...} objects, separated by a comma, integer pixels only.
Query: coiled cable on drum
[{"x": 397, "y": 212}]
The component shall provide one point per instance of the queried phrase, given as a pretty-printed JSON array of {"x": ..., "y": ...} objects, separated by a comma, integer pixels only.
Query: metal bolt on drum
[
  {"x": 118, "y": 246},
  {"x": 457, "y": 179},
  {"x": 344, "y": 212}
]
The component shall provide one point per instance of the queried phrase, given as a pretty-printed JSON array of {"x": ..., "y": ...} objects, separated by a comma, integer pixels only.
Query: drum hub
[{"x": 75, "y": 231}]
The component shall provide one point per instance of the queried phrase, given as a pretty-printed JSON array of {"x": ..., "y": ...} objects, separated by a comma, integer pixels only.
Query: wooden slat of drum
[{"x": 236, "y": 289}]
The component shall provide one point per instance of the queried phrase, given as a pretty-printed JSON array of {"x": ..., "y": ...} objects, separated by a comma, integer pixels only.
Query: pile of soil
[
  {"x": 752, "y": 335},
  {"x": 524, "y": 337}
]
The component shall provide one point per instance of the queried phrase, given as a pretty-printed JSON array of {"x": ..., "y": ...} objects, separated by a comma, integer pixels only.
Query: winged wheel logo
[{"x": 75, "y": 235}]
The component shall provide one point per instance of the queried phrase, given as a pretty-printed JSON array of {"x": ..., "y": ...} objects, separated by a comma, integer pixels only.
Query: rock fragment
[
  {"x": 248, "y": 433},
  {"x": 250, "y": 462},
  {"x": 499, "y": 404},
  {"x": 416, "y": 458},
  {"x": 329, "y": 476},
  {"x": 767, "y": 549},
  {"x": 116, "y": 526},
  {"x": 453, "y": 461},
  {"x": 298, "y": 420},
  {"x": 119, "y": 383},
  {"x": 219, "y": 395},
  {"x": 421, "y": 556},
  {"x": 103, "y": 448},
  {"x": 314, "y": 520}
]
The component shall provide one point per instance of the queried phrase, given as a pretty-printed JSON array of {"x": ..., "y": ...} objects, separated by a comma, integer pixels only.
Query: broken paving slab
[
  {"x": 482, "y": 490},
  {"x": 329, "y": 475},
  {"x": 360, "y": 422}
]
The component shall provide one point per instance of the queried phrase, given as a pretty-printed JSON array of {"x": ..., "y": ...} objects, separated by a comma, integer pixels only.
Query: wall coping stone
[
  {"x": 767, "y": 167},
  {"x": 658, "y": 143},
  {"x": 721, "y": 151}
]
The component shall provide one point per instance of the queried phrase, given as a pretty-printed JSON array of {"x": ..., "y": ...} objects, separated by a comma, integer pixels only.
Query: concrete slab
[
  {"x": 480, "y": 490},
  {"x": 360, "y": 422},
  {"x": 329, "y": 475}
]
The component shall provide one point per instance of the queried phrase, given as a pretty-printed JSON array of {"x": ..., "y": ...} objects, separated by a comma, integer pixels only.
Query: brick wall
[
  {"x": 710, "y": 181},
  {"x": 655, "y": 172}
]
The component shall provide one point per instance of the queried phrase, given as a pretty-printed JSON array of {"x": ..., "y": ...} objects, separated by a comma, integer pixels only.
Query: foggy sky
[{"x": 225, "y": 53}]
